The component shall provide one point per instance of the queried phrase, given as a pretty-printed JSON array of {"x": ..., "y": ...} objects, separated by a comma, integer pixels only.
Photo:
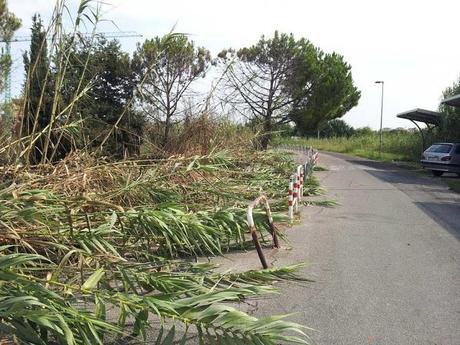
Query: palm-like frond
[{"x": 83, "y": 239}]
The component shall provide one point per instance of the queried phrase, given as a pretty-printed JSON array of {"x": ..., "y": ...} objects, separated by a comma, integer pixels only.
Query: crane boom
[{"x": 112, "y": 34}]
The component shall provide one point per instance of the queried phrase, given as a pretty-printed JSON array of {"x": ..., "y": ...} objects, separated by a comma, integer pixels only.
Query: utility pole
[{"x": 381, "y": 115}]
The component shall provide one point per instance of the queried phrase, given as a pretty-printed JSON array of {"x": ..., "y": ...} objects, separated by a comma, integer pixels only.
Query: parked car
[{"x": 441, "y": 158}]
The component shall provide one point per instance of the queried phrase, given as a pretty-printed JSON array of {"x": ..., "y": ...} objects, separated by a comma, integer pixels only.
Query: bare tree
[
  {"x": 169, "y": 65},
  {"x": 265, "y": 80}
]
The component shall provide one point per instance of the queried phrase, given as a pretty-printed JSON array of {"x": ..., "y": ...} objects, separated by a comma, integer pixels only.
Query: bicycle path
[{"x": 386, "y": 260}]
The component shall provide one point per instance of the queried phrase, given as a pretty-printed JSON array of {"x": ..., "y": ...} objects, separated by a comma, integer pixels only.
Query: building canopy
[
  {"x": 453, "y": 101},
  {"x": 421, "y": 115},
  {"x": 428, "y": 117}
]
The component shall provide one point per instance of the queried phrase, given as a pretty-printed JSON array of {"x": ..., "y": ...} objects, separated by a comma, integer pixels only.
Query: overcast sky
[{"x": 412, "y": 45}]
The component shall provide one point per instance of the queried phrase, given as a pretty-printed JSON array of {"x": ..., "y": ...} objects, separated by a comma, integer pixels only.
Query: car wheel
[{"x": 437, "y": 172}]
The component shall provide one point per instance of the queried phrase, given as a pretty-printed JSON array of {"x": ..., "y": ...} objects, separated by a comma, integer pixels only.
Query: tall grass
[{"x": 397, "y": 146}]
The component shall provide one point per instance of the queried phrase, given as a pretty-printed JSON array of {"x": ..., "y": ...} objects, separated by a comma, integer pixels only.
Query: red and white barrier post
[
  {"x": 295, "y": 194},
  {"x": 296, "y": 182},
  {"x": 252, "y": 227},
  {"x": 291, "y": 199},
  {"x": 300, "y": 174}
]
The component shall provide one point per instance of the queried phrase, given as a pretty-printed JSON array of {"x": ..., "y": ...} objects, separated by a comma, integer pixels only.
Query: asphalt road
[{"x": 386, "y": 260}]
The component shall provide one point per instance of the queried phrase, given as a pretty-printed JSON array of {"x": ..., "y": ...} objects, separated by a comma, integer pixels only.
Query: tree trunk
[
  {"x": 168, "y": 118},
  {"x": 266, "y": 135},
  {"x": 167, "y": 128}
]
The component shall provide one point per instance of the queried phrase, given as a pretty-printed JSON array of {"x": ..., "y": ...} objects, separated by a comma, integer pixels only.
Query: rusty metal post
[
  {"x": 253, "y": 230},
  {"x": 258, "y": 248},
  {"x": 271, "y": 224}
]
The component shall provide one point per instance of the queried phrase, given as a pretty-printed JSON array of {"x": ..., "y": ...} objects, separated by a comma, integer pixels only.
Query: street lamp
[{"x": 381, "y": 114}]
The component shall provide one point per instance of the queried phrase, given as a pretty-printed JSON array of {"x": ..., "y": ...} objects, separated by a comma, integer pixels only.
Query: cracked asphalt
[{"x": 386, "y": 260}]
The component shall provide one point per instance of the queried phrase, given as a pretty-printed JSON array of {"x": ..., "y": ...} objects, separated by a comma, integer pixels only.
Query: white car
[{"x": 441, "y": 158}]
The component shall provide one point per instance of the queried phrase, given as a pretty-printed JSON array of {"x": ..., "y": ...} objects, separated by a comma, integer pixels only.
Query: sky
[{"x": 411, "y": 45}]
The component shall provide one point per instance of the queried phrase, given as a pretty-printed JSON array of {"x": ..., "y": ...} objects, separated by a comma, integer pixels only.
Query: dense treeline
[
  {"x": 449, "y": 129},
  {"x": 85, "y": 93},
  {"x": 450, "y": 126}
]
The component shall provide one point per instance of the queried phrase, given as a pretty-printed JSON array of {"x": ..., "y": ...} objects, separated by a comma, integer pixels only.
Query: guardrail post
[
  {"x": 252, "y": 228},
  {"x": 291, "y": 199},
  {"x": 302, "y": 174},
  {"x": 299, "y": 178},
  {"x": 255, "y": 239},
  {"x": 271, "y": 224},
  {"x": 296, "y": 192},
  {"x": 260, "y": 253}
]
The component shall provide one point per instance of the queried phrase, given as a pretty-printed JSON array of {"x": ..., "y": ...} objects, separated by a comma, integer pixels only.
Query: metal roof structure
[
  {"x": 421, "y": 115},
  {"x": 453, "y": 101},
  {"x": 430, "y": 118}
]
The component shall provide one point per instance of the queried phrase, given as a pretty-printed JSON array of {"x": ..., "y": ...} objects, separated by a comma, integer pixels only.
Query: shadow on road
[
  {"x": 407, "y": 178},
  {"x": 445, "y": 214},
  {"x": 430, "y": 194}
]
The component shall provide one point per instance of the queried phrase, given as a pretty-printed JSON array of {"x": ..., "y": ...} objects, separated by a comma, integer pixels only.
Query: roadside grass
[
  {"x": 312, "y": 187},
  {"x": 397, "y": 146},
  {"x": 454, "y": 185},
  {"x": 320, "y": 168}
]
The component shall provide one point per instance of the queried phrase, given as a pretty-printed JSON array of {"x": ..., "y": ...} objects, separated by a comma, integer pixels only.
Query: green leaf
[{"x": 92, "y": 281}]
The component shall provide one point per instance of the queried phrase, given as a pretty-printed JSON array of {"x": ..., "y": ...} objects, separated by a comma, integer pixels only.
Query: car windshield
[{"x": 440, "y": 148}]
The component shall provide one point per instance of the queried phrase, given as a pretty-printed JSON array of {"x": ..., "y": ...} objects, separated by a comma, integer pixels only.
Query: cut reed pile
[{"x": 87, "y": 234}]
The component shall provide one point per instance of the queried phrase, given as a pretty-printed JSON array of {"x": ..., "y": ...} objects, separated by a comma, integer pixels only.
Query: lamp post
[{"x": 381, "y": 115}]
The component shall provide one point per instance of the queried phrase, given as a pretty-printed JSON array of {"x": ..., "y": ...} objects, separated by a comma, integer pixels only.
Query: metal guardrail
[
  {"x": 295, "y": 194},
  {"x": 297, "y": 180},
  {"x": 295, "y": 191}
]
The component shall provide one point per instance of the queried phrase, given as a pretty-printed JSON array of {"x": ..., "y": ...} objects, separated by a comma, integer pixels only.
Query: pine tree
[{"x": 109, "y": 72}]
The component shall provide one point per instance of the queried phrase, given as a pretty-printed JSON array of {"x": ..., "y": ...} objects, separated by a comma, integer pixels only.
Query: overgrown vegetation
[
  {"x": 87, "y": 236},
  {"x": 454, "y": 185},
  {"x": 280, "y": 80},
  {"x": 397, "y": 145},
  {"x": 450, "y": 126},
  {"x": 82, "y": 92}
]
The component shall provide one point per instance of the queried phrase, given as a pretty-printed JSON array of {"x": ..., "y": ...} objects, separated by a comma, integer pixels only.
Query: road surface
[{"x": 386, "y": 260}]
